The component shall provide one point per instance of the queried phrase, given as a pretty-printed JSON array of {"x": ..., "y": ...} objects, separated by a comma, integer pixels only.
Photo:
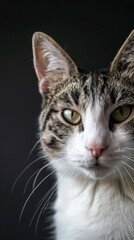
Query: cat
[{"x": 86, "y": 128}]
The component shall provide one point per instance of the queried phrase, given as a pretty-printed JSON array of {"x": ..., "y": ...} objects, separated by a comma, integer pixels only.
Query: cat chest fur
[{"x": 96, "y": 212}]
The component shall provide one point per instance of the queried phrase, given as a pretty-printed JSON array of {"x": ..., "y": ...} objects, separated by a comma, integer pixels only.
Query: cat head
[{"x": 87, "y": 118}]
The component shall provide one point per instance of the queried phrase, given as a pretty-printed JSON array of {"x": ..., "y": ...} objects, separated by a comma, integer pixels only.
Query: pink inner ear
[
  {"x": 40, "y": 68},
  {"x": 45, "y": 86}
]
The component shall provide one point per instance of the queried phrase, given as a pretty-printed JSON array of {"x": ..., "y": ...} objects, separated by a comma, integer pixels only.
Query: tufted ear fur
[
  {"x": 124, "y": 60},
  {"x": 51, "y": 62}
]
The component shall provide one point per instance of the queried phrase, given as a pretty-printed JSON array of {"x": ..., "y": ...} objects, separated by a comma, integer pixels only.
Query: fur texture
[{"x": 87, "y": 132}]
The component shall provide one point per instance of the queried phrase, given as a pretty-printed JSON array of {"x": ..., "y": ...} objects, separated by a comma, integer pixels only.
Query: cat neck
[{"x": 70, "y": 188}]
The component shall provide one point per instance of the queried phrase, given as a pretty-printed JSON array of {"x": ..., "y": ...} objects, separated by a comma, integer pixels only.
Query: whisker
[
  {"x": 43, "y": 209},
  {"x": 27, "y": 200},
  {"x": 51, "y": 190},
  {"x": 132, "y": 149},
  {"x": 40, "y": 203},
  {"x": 36, "y": 160},
  {"x": 128, "y": 157},
  {"x": 124, "y": 186},
  {"x": 37, "y": 175},
  {"x": 35, "y": 145},
  {"x": 33, "y": 162},
  {"x": 29, "y": 181},
  {"x": 128, "y": 165},
  {"x": 127, "y": 181},
  {"x": 129, "y": 174}
]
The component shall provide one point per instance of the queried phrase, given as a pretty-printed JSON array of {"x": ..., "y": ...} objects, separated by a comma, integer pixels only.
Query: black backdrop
[{"x": 91, "y": 33}]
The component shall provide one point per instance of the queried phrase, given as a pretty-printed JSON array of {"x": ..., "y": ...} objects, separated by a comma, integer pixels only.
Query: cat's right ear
[
  {"x": 51, "y": 62},
  {"x": 124, "y": 60}
]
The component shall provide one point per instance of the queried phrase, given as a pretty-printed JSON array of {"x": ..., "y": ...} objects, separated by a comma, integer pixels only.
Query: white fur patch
[{"x": 96, "y": 126}]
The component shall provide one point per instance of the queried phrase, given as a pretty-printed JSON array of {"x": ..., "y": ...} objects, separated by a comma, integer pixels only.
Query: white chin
[{"x": 97, "y": 172}]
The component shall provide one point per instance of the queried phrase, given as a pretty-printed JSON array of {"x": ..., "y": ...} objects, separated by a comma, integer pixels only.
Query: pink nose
[{"x": 97, "y": 150}]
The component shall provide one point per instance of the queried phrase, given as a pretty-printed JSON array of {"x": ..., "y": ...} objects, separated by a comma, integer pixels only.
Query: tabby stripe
[
  {"x": 53, "y": 142},
  {"x": 48, "y": 117},
  {"x": 75, "y": 95}
]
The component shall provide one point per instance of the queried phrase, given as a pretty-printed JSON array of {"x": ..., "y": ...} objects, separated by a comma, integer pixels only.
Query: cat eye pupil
[
  {"x": 71, "y": 116},
  {"x": 121, "y": 111}
]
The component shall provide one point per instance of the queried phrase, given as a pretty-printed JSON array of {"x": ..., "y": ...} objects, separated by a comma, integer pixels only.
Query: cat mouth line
[{"x": 95, "y": 166}]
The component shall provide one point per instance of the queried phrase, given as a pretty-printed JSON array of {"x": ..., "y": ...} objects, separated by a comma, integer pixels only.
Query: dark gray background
[{"x": 91, "y": 33}]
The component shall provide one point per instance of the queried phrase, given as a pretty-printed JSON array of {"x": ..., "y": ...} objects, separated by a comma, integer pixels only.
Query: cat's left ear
[
  {"x": 52, "y": 64},
  {"x": 124, "y": 60}
]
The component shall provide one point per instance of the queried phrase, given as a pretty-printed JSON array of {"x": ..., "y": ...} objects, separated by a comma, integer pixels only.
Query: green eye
[
  {"x": 71, "y": 116},
  {"x": 120, "y": 114}
]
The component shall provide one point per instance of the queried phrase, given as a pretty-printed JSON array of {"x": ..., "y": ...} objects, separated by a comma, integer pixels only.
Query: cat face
[{"x": 87, "y": 119}]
